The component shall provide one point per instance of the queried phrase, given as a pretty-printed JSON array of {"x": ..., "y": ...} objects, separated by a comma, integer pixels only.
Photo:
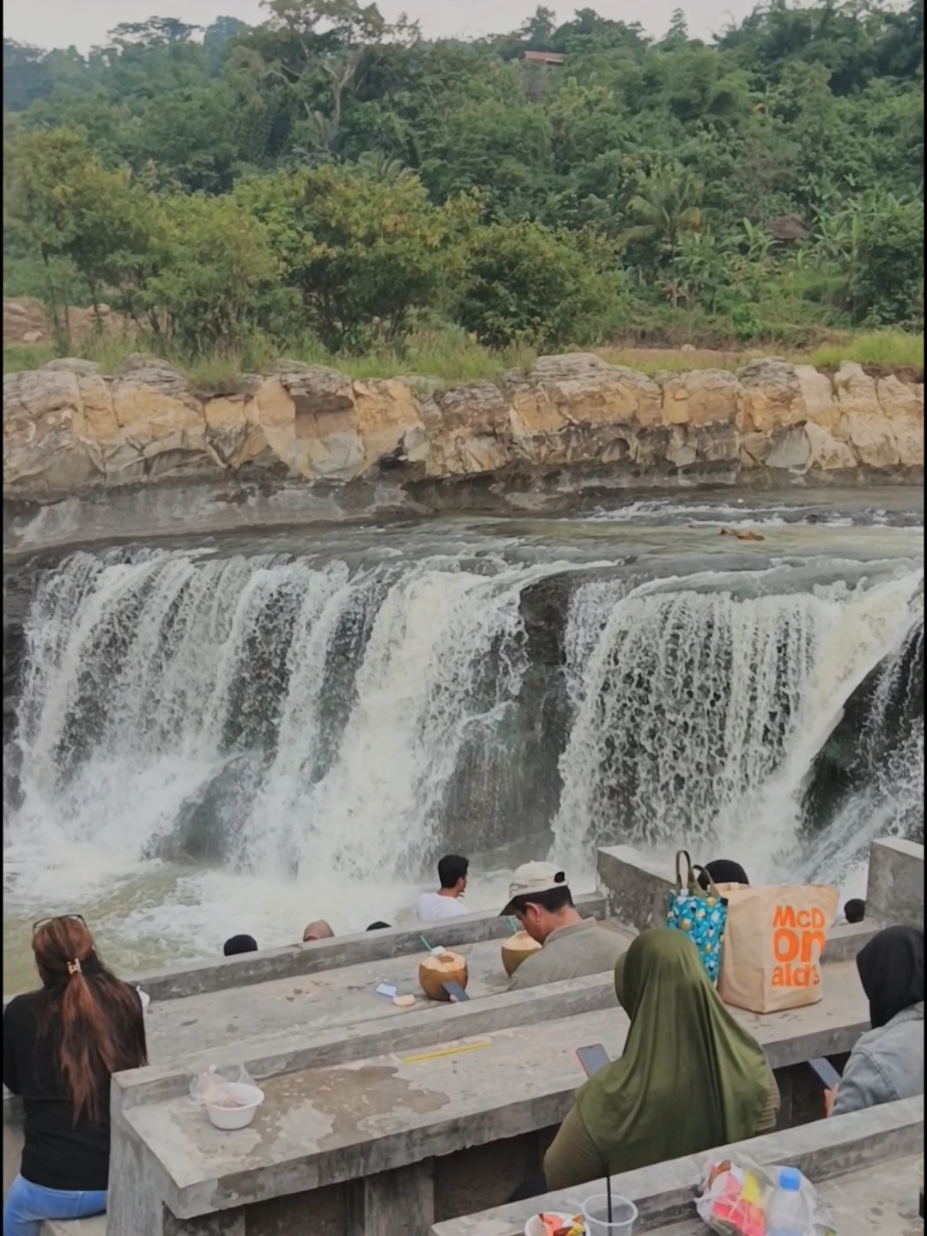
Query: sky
[{"x": 84, "y": 23}]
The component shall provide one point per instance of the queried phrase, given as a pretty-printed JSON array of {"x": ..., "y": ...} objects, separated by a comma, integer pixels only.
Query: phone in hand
[
  {"x": 592, "y": 1058},
  {"x": 455, "y": 991},
  {"x": 826, "y": 1072}
]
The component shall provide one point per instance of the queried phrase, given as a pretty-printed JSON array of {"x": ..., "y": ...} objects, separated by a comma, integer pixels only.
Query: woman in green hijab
[{"x": 690, "y": 1077}]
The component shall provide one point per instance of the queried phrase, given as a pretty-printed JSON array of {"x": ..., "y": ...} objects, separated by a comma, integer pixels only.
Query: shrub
[{"x": 527, "y": 283}]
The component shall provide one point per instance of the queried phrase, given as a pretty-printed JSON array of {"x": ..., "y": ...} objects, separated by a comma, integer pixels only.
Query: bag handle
[
  {"x": 712, "y": 887},
  {"x": 689, "y": 873}
]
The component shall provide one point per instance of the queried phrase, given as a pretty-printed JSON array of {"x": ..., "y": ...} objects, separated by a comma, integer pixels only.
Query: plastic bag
[
  {"x": 734, "y": 1195},
  {"x": 212, "y": 1087}
]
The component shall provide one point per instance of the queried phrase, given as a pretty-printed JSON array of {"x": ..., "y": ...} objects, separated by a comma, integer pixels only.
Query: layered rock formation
[{"x": 68, "y": 429}]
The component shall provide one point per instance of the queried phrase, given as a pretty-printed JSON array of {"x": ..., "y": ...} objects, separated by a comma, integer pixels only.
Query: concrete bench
[
  {"x": 895, "y": 887},
  {"x": 297, "y": 960},
  {"x": 863, "y": 1165},
  {"x": 433, "y": 1127},
  {"x": 332, "y": 1044},
  {"x": 636, "y": 888}
]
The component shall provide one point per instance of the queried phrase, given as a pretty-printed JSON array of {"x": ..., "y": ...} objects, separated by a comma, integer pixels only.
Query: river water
[{"x": 222, "y": 735}]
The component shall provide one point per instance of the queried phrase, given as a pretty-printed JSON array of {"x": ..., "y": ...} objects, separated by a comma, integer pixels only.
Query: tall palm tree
[{"x": 666, "y": 206}]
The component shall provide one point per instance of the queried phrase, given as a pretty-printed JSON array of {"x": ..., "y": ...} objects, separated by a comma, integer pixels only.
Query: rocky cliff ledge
[{"x": 70, "y": 430}]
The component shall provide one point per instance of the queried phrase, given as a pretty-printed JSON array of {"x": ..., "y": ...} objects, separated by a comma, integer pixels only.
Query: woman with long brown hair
[{"x": 61, "y": 1046}]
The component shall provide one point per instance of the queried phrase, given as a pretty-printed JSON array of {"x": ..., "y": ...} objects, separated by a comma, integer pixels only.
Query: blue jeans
[{"x": 28, "y": 1204}]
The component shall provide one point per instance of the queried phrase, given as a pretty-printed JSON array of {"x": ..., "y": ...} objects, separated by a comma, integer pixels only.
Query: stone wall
[{"x": 68, "y": 429}]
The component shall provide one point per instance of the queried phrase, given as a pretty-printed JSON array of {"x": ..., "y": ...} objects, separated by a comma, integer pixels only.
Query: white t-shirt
[{"x": 431, "y": 907}]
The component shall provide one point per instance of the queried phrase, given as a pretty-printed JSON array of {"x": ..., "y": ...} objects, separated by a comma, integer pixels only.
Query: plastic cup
[
  {"x": 595, "y": 1214},
  {"x": 228, "y": 1118}
]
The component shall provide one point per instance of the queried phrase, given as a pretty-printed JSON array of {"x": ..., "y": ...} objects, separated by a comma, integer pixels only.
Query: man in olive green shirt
[{"x": 572, "y": 946}]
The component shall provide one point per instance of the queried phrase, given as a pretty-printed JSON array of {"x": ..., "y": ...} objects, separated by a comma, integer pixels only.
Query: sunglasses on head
[{"x": 54, "y": 918}]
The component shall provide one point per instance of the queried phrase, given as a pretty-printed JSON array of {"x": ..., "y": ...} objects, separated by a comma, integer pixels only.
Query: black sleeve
[{"x": 10, "y": 1040}]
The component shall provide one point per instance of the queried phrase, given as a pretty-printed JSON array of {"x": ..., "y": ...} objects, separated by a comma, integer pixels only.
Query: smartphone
[
  {"x": 455, "y": 991},
  {"x": 593, "y": 1058},
  {"x": 826, "y": 1071}
]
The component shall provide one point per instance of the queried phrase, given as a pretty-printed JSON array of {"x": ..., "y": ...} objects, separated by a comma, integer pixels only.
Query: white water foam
[
  {"x": 702, "y": 712},
  {"x": 156, "y": 680}
]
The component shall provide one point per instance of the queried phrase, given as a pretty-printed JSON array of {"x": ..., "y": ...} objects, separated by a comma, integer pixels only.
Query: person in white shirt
[{"x": 446, "y": 902}]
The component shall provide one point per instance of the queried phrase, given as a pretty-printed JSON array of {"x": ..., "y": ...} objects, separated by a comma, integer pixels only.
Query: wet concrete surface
[
  {"x": 327, "y": 1124},
  {"x": 311, "y": 1002}
]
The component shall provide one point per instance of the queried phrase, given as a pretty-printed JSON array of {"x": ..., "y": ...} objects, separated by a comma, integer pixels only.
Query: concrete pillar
[
  {"x": 895, "y": 891},
  {"x": 400, "y": 1202},
  {"x": 133, "y": 1203},
  {"x": 636, "y": 887}
]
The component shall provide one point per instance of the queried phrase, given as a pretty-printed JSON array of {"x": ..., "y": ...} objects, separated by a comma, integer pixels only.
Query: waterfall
[
  {"x": 700, "y": 713},
  {"x": 211, "y": 742},
  {"x": 323, "y": 710},
  {"x": 877, "y": 788}
]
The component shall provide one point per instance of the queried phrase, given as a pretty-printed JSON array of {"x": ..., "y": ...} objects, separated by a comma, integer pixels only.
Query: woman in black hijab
[
  {"x": 887, "y": 1062},
  {"x": 722, "y": 871},
  {"x": 891, "y": 970}
]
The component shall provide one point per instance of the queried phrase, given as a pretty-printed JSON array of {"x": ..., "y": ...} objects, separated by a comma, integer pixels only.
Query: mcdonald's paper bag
[{"x": 775, "y": 935}]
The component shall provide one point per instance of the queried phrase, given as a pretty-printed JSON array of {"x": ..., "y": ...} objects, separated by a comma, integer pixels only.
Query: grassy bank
[{"x": 450, "y": 356}]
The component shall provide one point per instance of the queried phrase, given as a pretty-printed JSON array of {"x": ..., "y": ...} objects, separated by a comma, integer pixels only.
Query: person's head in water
[
  {"x": 378, "y": 926},
  {"x": 891, "y": 970},
  {"x": 722, "y": 871},
  {"x": 452, "y": 875},
  {"x": 100, "y": 1018},
  {"x": 855, "y": 910},
  {"x": 319, "y": 930},
  {"x": 540, "y": 898},
  {"x": 239, "y": 944}
]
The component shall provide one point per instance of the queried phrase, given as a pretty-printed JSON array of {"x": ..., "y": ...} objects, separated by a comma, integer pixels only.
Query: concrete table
[
  {"x": 863, "y": 1166},
  {"x": 374, "y": 1117},
  {"x": 878, "y": 1201},
  {"x": 343, "y": 997}
]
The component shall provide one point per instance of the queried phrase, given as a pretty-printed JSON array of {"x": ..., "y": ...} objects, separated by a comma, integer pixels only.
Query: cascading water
[
  {"x": 210, "y": 743},
  {"x": 701, "y": 712},
  {"x": 868, "y": 779}
]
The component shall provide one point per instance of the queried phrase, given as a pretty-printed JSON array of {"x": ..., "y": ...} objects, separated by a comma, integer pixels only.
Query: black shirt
[{"x": 58, "y": 1154}]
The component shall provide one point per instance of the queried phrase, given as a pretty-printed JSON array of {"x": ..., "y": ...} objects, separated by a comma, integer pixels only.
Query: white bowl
[
  {"x": 237, "y": 1117},
  {"x": 534, "y": 1226}
]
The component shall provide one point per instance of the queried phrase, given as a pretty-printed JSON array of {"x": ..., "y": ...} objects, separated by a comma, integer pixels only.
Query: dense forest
[{"x": 329, "y": 182}]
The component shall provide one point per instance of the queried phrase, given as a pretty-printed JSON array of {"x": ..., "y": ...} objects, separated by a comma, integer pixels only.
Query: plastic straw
[
  {"x": 608, "y": 1197},
  {"x": 426, "y": 944}
]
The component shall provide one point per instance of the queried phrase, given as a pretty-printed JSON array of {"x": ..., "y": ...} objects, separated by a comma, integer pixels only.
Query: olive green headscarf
[{"x": 689, "y": 1078}]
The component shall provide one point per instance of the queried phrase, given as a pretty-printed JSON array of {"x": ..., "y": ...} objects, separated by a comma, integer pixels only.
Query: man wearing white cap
[{"x": 540, "y": 899}]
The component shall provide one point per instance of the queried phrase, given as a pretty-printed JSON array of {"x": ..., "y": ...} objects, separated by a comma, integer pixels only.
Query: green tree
[
  {"x": 332, "y": 38},
  {"x": 214, "y": 279},
  {"x": 65, "y": 204},
  {"x": 526, "y": 283},
  {"x": 364, "y": 251},
  {"x": 887, "y": 282}
]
